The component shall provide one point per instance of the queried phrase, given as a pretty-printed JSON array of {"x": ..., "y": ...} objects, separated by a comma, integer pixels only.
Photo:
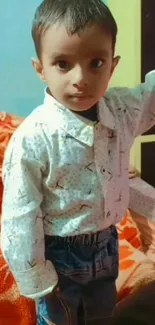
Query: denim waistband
[{"x": 84, "y": 239}]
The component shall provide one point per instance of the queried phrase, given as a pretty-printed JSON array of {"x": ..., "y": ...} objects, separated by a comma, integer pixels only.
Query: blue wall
[{"x": 20, "y": 89}]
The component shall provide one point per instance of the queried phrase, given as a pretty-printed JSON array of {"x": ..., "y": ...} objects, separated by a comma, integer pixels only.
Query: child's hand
[{"x": 132, "y": 172}]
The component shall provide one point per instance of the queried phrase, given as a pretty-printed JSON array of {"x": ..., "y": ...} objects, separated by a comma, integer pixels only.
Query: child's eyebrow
[
  {"x": 93, "y": 53},
  {"x": 57, "y": 55},
  {"x": 104, "y": 53}
]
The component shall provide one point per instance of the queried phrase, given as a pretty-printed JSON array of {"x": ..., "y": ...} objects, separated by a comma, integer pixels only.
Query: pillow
[
  {"x": 135, "y": 269},
  {"x": 128, "y": 230},
  {"x": 147, "y": 230}
]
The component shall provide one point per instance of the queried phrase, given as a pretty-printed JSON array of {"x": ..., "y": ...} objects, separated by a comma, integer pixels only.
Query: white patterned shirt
[{"x": 65, "y": 175}]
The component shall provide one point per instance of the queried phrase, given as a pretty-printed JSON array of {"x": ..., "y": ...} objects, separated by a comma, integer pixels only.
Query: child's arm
[
  {"x": 22, "y": 219},
  {"x": 133, "y": 109}
]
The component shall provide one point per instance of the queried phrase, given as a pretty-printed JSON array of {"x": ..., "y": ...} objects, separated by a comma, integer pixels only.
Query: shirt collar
[{"x": 77, "y": 126}]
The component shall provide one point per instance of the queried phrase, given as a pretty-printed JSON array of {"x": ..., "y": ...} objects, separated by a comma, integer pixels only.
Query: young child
[{"x": 65, "y": 171}]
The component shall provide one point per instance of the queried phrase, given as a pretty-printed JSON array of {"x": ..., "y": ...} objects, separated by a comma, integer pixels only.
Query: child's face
[{"x": 77, "y": 68}]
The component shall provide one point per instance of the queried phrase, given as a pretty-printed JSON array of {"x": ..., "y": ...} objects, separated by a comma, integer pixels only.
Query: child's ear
[
  {"x": 115, "y": 62},
  {"x": 38, "y": 68}
]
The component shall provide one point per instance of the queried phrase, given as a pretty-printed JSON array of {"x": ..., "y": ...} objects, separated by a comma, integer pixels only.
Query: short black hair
[{"x": 76, "y": 15}]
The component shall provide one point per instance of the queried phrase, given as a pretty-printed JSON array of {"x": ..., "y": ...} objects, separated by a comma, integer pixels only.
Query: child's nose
[{"x": 80, "y": 78}]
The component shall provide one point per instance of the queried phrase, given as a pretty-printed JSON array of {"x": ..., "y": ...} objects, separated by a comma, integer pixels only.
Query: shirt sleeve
[
  {"x": 134, "y": 109},
  {"x": 22, "y": 233}
]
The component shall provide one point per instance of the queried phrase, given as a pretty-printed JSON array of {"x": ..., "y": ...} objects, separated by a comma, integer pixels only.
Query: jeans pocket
[
  {"x": 106, "y": 257},
  {"x": 72, "y": 261}
]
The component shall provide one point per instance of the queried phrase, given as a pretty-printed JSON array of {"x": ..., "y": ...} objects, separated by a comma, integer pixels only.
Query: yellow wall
[
  {"x": 128, "y": 16},
  {"x": 128, "y": 73}
]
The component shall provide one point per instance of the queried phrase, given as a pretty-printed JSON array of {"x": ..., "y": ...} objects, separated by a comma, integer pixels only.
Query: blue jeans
[{"x": 87, "y": 266}]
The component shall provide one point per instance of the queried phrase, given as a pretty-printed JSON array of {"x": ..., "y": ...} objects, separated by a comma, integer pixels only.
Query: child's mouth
[{"x": 81, "y": 96}]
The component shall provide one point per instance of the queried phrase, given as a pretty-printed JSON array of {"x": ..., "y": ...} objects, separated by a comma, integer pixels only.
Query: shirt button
[{"x": 102, "y": 170}]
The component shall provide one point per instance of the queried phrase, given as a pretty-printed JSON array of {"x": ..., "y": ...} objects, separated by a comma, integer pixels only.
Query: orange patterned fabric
[
  {"x": 147, "y": 227},
  {"x": 128, "y": 230},
  {"x": 135, "y": 267}
]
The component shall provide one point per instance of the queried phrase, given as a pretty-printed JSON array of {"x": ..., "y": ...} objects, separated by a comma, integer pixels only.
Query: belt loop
[
  {"x": 97, "y": 238},
  {"x": 93, "y": 239},
  {"x": 89, "y": 242},
  {"x": 85, "y": 239},
  {"x": 74, "y": 240}
]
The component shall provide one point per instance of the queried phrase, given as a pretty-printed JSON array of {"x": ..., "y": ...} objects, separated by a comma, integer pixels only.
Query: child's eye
[
  {"x": 63, "y": 65},
  {"x": 97, "y": 63}
]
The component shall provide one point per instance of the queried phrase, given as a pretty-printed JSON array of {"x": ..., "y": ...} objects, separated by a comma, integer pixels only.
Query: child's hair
[{"x": 76, "y": 15}]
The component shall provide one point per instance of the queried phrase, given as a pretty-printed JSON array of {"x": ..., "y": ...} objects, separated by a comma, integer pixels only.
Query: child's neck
[{"x": 90, "y": 114}]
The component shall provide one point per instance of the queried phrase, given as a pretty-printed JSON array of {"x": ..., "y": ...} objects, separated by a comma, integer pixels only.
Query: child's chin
[{"x": 82, "y": 105}]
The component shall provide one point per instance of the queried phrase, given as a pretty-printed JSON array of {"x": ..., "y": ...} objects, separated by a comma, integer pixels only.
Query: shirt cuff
[{"x": 38, "y": 281}]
